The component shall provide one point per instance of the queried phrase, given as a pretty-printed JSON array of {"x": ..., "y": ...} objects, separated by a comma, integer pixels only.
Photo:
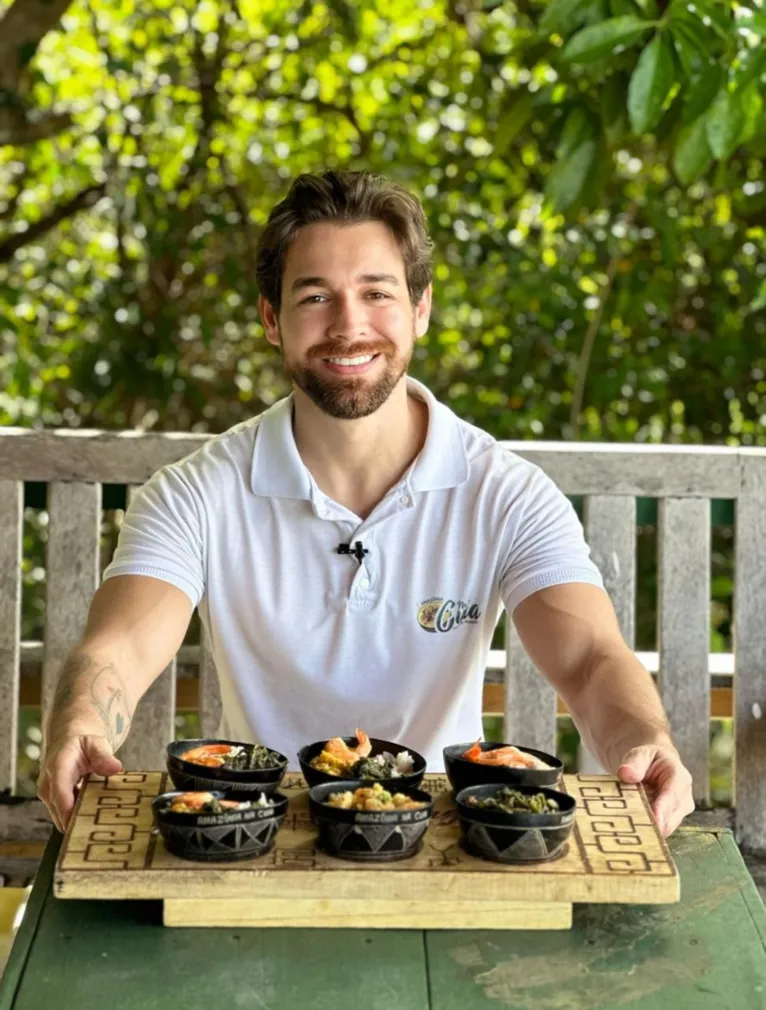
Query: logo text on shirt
[{"x": 437, "y": 614}]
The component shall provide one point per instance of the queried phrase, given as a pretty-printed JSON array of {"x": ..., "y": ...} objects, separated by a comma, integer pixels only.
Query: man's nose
[{"x": 349, "y": 318}]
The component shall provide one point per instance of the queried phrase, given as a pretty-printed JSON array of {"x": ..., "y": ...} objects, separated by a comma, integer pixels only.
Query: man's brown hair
[{"x": 344, "y": 198}]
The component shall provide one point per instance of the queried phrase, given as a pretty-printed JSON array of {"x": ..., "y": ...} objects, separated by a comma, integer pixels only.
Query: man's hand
[
  {"x": 667, "y": 783},
  {"x": 65, "y": 765}
]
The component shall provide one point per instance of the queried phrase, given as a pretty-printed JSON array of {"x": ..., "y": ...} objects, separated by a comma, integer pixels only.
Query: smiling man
[{"x": 351, "y": 549}]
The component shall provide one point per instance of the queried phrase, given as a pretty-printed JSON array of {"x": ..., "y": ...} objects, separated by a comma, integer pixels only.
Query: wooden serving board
[{"x": 615, "y": 854}]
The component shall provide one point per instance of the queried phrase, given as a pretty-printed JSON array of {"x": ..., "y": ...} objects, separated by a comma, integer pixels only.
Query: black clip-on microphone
[{"x": 358, "y": 550}]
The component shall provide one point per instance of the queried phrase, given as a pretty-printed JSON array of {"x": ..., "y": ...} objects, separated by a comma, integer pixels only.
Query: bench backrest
[{"x": 74, "y": 465}]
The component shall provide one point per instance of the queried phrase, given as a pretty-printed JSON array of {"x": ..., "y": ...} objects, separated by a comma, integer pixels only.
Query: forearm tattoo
[{"x": 85, "y": 688}]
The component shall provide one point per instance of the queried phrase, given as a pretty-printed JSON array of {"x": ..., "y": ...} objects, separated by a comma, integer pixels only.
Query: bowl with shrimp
[
  {"x": 362, "y": 758},
  {"x": 227, "y": 765},
  {"x": 482, "y": 763},
  {"x": 369, "y": 823},
  {"x": 210, "y": 827},
  {"x": 515, "y": 824}
]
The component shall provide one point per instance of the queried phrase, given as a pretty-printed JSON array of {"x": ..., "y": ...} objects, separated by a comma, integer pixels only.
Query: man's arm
[
  {"x": 135, "y": 626},
  {"x": 571, "y": 634}
]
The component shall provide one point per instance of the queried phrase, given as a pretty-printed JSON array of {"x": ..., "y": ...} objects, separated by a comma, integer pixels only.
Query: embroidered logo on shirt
[{"x": 437, "y": 614}]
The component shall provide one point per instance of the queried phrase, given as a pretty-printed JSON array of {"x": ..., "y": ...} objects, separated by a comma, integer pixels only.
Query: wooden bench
[{"x": 75, "y": 464}]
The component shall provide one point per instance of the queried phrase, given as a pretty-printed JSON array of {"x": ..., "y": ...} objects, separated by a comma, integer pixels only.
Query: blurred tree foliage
[{"x": 592, "y": 172}]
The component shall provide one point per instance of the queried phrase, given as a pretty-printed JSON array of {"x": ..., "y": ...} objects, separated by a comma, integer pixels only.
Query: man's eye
[
  {"x": 378, "y": 295},
  {"x": 312, "y": 300}
]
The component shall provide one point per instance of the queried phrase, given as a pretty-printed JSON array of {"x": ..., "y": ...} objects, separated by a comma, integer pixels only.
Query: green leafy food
[
  {"x": 511, "y": 801},
  {"x": 251, "y": 759}
]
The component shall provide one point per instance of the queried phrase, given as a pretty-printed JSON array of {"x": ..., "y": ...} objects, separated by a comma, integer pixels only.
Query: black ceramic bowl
[
  {"x": 401, "y": 784},
  {"x": 189, "y": 777},
  {"x": 225, "y": 837},
  {"x": 368, "y": 835},
  {"x": 463, "y": 773},
  {"x": 518, "y": 837}
]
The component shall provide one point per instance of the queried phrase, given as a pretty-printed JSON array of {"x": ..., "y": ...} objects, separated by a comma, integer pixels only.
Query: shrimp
[
  {"x": 189, "y": 802},
  {"x": 211, "y": 755},
  {"x": 508, "y": 757},
  {"x": 339, "y": 749}
]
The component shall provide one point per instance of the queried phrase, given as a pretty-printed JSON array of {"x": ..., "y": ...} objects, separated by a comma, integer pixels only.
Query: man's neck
[{"x": 357, "y": 462}]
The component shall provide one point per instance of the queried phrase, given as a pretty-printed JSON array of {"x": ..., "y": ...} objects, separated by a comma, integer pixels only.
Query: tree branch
[
  {"x": 591, "y": 333},
  {"x": 23, "y": 132},
  {"x": 22, "y": 28},
  {"x": 84, "y": 199}
]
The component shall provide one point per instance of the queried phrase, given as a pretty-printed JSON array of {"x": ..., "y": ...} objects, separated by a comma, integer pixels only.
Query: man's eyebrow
[
  {"x": 379, "y": 279},
  {"x": 321, "y": 282},
  {"x": 308, "y": 282}
]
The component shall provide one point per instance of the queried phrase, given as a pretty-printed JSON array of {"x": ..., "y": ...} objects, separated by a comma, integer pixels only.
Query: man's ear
[
  {"x": 423, "y": 312},
  {"x": 269, "y": 320}
]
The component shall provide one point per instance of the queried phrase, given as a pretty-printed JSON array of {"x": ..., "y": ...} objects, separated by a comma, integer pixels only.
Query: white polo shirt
[{"x": 309, "y": 643}]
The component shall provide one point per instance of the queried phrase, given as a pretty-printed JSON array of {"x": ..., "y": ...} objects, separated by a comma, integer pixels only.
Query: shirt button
[
  {"x": 405, "y": 500},
  {"x": 365, "y": 583}
]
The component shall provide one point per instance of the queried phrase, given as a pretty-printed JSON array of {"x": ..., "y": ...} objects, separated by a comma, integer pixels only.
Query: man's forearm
[
  {"x": 90, "y": 697},
  {"x": 618, "y": 708}
]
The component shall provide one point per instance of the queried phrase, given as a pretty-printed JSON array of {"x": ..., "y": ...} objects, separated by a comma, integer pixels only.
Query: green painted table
[{"x": 706, "y": 953}]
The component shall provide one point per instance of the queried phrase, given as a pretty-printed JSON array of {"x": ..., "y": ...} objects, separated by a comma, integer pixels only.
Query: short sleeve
[
  {"x": 162, "y": 535},
  {"x": 548, "y": 545}
]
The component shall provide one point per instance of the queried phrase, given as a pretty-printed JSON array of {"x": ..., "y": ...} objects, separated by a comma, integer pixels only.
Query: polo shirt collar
[{"x": 278, "y": 470}]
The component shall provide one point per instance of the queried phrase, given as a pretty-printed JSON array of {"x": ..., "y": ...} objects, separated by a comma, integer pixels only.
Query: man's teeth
[{"x": 361, "y": 360}]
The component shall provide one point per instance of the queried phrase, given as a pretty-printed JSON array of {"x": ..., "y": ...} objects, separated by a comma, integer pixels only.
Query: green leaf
[
  {"x": 671, "y": 118},
  {"x": 512, "y": 122},
  {"x": 577, "y": 128},
  {"x": 562, "y": 16},
  {"x": 750, "y": 68},
  {"x": 759, "y": 302},
  {"x": 724, "y": 123},
  {"x": 752, "y": 104},
  {"x": 696, "y": 34},
  {"x": 613, "y": 104},
  {"x": 701, "y": 91},
  {"x": 567, "y": 179},
  {"x": 720, "y": 15},
  {"x": 691, "y": 59},
  {"x": 756, "y": 24},
  {"x": 619, "y": 8},
  {"x": 597, "y": 41},
  {"x": 692, "y": 155},
  {"x": 650, "y": 84}
]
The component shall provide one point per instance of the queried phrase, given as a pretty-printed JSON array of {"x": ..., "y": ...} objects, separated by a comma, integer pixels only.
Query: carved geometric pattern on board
[
  {"x": 112, "y": 823},
  {"x": 614, "y": 834}
]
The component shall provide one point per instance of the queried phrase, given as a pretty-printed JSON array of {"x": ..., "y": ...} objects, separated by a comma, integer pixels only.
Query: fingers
[
  {"x": 636, "y": 764},
  {"x": 43, "y": 792},
  {"x": 63, "y": 774},
  {"x": 65, "y": 767},
  {"x": 667, "y": 782},
  {"x": 100, "y": 758},
  {"x": 673, "y": 800}
]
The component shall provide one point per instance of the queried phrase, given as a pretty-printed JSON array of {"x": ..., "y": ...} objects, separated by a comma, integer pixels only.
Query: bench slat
[
  {"x": 530, "y": 701},
  {"x": 610, "y": 529},
  {"x": 11, "y": 519},
  {"x": 683, "y": 614},
  {"x": 74, "y": 527},
  {"x": 153, "y": 724},
  {"x": 209, "y": 690},
  {"x": 750, "y": 659}
]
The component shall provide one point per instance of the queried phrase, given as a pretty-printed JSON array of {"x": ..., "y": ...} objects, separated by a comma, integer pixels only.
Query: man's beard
[{"x": 354, "y": 396}]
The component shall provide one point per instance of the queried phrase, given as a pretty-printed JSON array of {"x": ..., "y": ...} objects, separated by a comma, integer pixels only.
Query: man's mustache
[{"x": 343, "y": 350}]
